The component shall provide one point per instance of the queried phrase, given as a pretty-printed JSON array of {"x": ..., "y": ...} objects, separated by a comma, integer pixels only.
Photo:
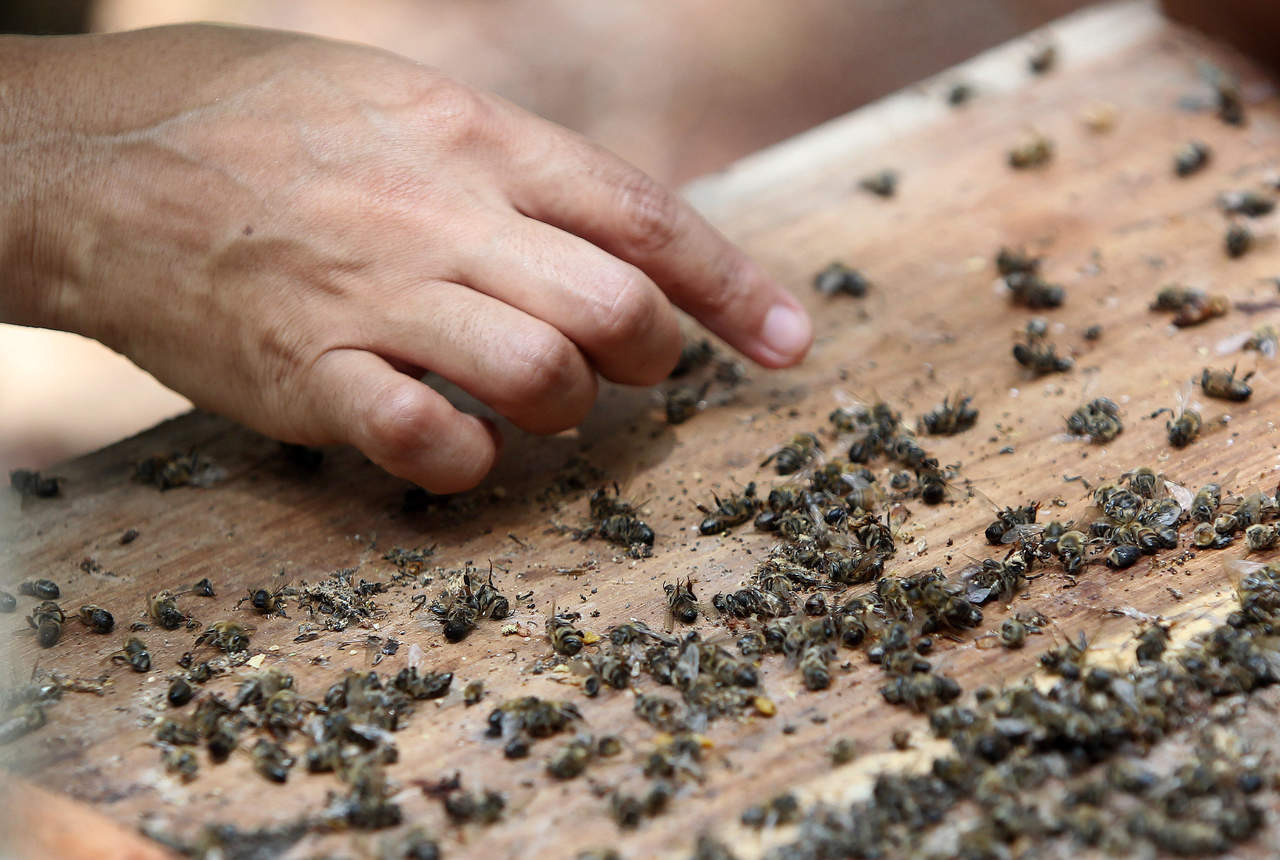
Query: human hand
[{"x": 289, "y": 231}]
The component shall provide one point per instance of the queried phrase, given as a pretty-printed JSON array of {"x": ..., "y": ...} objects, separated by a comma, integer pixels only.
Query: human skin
[{"x": 290, "y": 231}]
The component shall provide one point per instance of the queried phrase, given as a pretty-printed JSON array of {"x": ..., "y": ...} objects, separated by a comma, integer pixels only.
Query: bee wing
[
  {"x": 1022, "y": 532},
  {"x": 1232, "y": 343},
  {"x": 1181, "y": 495},
  {"x": 415, "y": 657}
]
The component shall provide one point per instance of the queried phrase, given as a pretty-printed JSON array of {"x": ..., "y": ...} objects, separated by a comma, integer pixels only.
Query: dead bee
[
  {"x": 814, "y": 667},
  {"x": 1067, "y": 659},
  {"x": 182, "y": 761},
  {"x": 1123, "y": 556},
  {"x": 901, "y": 740},
  {"x": 432, "y": 685},
  {"x": 1205, "y": 536},
  {"x": 1251, "y": 204},
  {"x": 1237, "y": 241},
  {"x": 839, "y": 278},
  {"x": 96, "y": 618},
  {"x": 1259, "y": 537},
  {"x": 617, "y": 522},
  {"x": 693, "y": 356},
  {"x": 1227, "y": 93},
  {"x": 734, "y": 510},
  {"x": 1225, "y": 385},
  {"x": 1191, "y": 157},
  {"x": 1040, "y": 357},
  {"x": 959, "y": 93},
  {"x": 1152, "y": 642},
  {"x": 882, "y": 183},
  {"x": 1099, "y": 419},
  {"x": 795, "y": 455},
  {"x": 1184, "y": 428},
  {"x": 572, "y": 759},
  {"x": 473, "y": 693},
  {"x": 176, "y": 470},
  {"x": 1034, "y": 150},
  {"x": 1005, "y": 528},
  {"x": 42, "y": 589},
  {"x": 1204, "y": 507},
  {"x": 47, "y": 619},
  {"x": 271, "y": 760},
  {"x": 1195, "y": 313},
  {"x": 203, "y": 588},
  {"x": 682, "y": 402},
  {"x": 483, "y": 808},
  {"x": 565, "y": 637},
  {"x": 135, "y": 654},
  {"x": 180, "y": 692},
  {"x": 264, "y": 602},
  {"x": 1026, "y": 287},
  {"x": 226, "y": 636},
  {"x": 1043, "y": 59},
  {"x": 163, "y": 609},
  {"x": 8, "y": 603},
  {"x": 1071, "y": 547},
  {"x": 948, "y": 418},
  {"x": 31, "y": 483},
  {"x": 682, "y": 606},
  {"x": 1013, "y": 261},
  {"x": 1265, "y": 339}
]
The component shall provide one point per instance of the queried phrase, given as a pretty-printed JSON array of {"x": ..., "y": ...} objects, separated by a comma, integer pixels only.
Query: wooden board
[{"x": 1114, "y": 225}]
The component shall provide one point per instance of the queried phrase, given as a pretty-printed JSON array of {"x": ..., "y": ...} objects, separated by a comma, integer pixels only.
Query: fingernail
[{"x": 787, "y": 331}]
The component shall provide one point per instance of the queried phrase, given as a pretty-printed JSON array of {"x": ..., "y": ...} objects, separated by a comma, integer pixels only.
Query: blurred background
[{"x": 677, "y": 87}]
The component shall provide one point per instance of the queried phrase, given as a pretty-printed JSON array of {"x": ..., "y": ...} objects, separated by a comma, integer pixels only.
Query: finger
[
  {"x": 522, "y": 367},
  {"x": 610, "y": 309},
  {"x": 399, "y": 423},
  {"x": 585, "y": 190}
]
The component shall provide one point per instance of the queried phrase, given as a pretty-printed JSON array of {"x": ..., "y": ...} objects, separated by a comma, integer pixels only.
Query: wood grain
[{"x": 1114, "y": 225}]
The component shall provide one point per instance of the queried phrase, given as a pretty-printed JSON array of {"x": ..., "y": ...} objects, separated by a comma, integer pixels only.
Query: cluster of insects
[
  {"x": 618, "y": 522},
  {"x": 699, "y": 359},
  {"x": 1039, "y": 356},
  {"x": 464, "y": 600}
]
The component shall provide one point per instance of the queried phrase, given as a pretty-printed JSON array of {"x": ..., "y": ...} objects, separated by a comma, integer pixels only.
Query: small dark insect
[
  {"x": 473, "y": 693},
  {"x": 97, "y": 619},
  {"x": 483, "y": 808},
  {"x": 129, "y": 536},
  {"x": 571, "y": 760},
  {"x": 180, "y": 692},
  {"x": 795, "y": 455},
  {"x": 694, "y": 354},
  {"x": 1229, "y": 98},
  {"x": 1195, "y": 313},
  {"x": 47, "y": 619},
  {"x": 1004, "y": 529},
  {"x": 1225, "y": 385},
  {"x": 901, "y": 739},
  {"x": 729, "y": 512},
  {"x": 32, "y": 483},
  {"x": 1152, "y": 642},
  {"x": 44, "y": 589},
  {"x": 1012, "y": 261},
  {"x": 8, "y": 603},
  {"x": 839, "y": 278},
  {"x": 1093, "y": 332},
  {"x": 1190, "y": 158},
  {"x": 564, "y": 634},
  {"x": 135, "y": 654},
  {"x": 182, "y": 761},
  {"x": 1175, "y": 297},
  {"x": 681, "y": 402},
  {"x": 1184, "y": 428},
  {"x": 959, "y": 93},
  {"x": 1035, "y": 150},
  {"x": 682, "y": 606},
  {"x": 815, "y": 605},
  {"x": 1250, "y": 204},
  {"x": 175, "y": 470},
  {"x": 617, "y": 522},
  {"x": 843, "y": 751},
  {"x": 1237, "y": 241},
  {"x": 1099, "y": 419},
  {"x": 264, "y": 602},
  {"x": 882, "y": 183},
  {"x": 203, "y": 588},
  {"x": 271, "y": 760},
  {"x": 163, "y": 609},
  {"x": 1042, "y": 59},
  {"x": 949, "y": 418}
]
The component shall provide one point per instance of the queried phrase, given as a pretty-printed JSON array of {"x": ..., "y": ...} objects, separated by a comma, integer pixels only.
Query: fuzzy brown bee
[
  {"x": 96, "y": 618},
  {"x": 1192, "y": 157},
  {"x": 42, "y": 589},
  {"x": 135, "y": 654},
  {"x": 950, "y": 418},
  {"x": 1225, "y": 385},
  {"x": 838, "y": 278},
  {"x": 47, "y": 619},
  {"x": 163, "y": 609},
  {"x": 564, "y": 634}
]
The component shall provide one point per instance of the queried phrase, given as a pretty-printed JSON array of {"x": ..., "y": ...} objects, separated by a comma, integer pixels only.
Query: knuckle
[
  {"x": 546, "y": 374},
  {"x": 458, "y": 114},
  {"x": 649, "y": 213},
  {"x": 394, "y": 423},
  {"x": 630, "y": 311}
]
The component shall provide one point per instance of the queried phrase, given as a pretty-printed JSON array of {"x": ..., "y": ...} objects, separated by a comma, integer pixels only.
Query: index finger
[{"x": 582, "y": 188}]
